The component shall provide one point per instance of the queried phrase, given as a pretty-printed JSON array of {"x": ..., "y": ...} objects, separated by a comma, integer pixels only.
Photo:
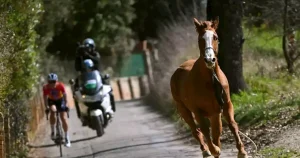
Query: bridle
[{"x": 219, "y": 89}]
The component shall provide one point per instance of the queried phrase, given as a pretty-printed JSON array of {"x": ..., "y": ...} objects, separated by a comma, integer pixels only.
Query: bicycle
[{"x": 59, "y": 136}]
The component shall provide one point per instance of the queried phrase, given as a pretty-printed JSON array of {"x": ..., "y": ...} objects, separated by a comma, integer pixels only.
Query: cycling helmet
[
  {"x": 52, "y": 77},
  {"x": 89, "y": 43},
  {"x": 88, "y": 63}
]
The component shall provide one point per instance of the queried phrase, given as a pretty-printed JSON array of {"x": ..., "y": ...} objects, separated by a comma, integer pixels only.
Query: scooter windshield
[{"x": 92, "y": 82}]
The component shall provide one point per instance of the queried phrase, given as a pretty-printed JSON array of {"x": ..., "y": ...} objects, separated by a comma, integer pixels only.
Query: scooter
[{"x": 96, "y": 96}]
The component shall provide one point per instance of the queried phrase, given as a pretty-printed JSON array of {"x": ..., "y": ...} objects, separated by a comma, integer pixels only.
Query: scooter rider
[{"x": 86, "y": 51}]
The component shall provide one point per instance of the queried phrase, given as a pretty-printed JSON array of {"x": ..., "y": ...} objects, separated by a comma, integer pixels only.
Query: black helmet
[{"x": 89, "y": 43}]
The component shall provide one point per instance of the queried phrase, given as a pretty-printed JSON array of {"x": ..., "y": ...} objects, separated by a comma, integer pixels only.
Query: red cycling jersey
[{"x": 54, "y": 93}]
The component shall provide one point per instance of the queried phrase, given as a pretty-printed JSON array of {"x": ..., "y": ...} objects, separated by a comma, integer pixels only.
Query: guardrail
[
  {"x": 37, "y": 108},
  {"x": 128, "y": 88}
]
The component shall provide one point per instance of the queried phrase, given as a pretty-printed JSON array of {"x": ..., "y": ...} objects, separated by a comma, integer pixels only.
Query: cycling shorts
[{"x": 60, "y": 104}]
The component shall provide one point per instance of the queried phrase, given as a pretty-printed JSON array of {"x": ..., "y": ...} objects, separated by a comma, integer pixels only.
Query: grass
[
  {"x": 278, "y": 153},
  {"x": 264, "y": 42},
  {"x": 272, "y": 89},
  {"x": 266, "y": 100}
]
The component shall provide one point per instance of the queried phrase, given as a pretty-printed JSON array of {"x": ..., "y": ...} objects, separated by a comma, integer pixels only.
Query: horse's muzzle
[{"x": 210, "y": 62}]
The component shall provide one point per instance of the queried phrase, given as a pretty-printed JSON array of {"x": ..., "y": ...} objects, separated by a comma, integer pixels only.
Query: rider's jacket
[{"x": 54, "y": 93}]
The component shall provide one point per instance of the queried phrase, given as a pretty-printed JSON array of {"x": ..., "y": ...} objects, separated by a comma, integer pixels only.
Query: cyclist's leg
[
  {"x": 52, "y": 117},
  {"x": 76, "y": 85},
  {"x": 63, "y": 116}
]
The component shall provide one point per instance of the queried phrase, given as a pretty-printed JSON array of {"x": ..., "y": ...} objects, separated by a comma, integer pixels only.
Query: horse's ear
[
  {"x": 198, "y": 25},
  {"x": 215, "y": 23}
]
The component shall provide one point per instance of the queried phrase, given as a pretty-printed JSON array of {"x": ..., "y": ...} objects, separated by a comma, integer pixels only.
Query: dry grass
[{"x": 177, "y": 43}]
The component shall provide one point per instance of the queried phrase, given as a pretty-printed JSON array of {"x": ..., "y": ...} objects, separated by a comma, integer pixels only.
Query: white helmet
[
  {"x": 88, "y": 63},
  {"x": 52, "y": 77}
]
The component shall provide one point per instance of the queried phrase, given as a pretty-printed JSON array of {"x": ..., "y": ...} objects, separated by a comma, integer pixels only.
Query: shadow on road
[
  {"x": 131, "y": 146},
  {"x": 51, "y": 145},
  {"x": 41, "y": 146},
  {"x": 83, "y": 139}
]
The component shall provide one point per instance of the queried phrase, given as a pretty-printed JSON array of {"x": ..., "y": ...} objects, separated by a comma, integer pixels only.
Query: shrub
[{"x": 18, "y": 66}]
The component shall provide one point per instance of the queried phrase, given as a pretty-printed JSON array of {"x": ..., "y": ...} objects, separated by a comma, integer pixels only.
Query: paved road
[{"x": 136, "y": 132}]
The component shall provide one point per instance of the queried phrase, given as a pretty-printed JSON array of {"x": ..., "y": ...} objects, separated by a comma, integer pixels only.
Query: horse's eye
[{"x": 215, "y": 38}]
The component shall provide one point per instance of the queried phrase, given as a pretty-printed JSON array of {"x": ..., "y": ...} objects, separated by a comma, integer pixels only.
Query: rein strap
[{"x": 219, "y": 90}]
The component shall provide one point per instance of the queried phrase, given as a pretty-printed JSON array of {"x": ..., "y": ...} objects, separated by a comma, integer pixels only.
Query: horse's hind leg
[
  {"x": 229, "y": 116},
  {"x": 188, "y": 118},
  {"x": 216, "y": 129}
]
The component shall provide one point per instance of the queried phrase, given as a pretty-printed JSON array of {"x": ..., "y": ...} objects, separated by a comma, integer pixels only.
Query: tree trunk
[
  {"x": 231, "y": 38},
  {"x": 289, "y": 46}
]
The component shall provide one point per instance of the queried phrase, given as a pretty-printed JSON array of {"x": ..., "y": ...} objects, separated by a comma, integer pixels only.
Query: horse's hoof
[
  {"x": 206, "y": 153},
  {"x": 216, "y": 152},
  {"x": 242, "y": 155}
]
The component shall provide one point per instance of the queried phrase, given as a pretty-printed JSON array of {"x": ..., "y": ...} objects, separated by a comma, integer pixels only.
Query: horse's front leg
[
  {"x": 229, "y": 116},
  {"x": 204, "y": 126},
  {"x": 205, "y": 151},
  {"x": 216, "y": 129}
]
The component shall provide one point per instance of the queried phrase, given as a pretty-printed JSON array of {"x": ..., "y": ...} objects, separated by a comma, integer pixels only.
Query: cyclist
[{"x": 55, "y": 98}]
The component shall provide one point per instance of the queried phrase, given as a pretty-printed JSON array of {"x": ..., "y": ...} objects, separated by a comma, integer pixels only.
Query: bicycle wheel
[
  {"x": 59, "y": 131},
  {"x": 60, "y": 149}
]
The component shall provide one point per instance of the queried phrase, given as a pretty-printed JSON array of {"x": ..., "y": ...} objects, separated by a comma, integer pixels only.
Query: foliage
[
  {"x": 107, "y": 22},
  {"x": 19, "y": 47},
  {"x": 152, "y": 14},
  {"x": 55, "y": 13},
  {"x": 271, "y": 13},
  {"x": 64, "y": 23},
  {"x": 19, "y": 67}
]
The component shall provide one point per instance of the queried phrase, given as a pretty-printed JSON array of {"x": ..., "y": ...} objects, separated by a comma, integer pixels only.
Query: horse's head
[{"x": 208, "y": 41}]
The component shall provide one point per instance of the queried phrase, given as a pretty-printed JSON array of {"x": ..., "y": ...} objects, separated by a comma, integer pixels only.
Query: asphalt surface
[{"x": 137, "y": 131}]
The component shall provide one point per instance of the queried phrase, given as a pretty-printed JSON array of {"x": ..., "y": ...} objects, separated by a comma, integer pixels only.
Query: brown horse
[{"x": 193, "y": 90}]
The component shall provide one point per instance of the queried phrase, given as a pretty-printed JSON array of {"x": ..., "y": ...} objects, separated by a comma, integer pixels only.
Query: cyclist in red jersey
[{"x": 55, "y": 98}]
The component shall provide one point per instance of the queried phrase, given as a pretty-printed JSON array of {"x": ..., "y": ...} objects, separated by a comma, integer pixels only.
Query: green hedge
[{"x": 18, "y": 66}]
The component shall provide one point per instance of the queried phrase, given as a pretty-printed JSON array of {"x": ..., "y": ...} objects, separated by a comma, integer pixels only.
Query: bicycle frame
[{"x": 58, "y": 141}]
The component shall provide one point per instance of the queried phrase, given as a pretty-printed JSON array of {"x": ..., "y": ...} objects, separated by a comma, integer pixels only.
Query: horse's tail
[
  {"x": 173, "y": 86},
  {"x": 175, "y": 92}
]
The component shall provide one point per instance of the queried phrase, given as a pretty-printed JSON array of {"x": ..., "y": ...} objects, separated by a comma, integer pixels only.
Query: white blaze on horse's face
[{"x": 209, "y": 55}]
